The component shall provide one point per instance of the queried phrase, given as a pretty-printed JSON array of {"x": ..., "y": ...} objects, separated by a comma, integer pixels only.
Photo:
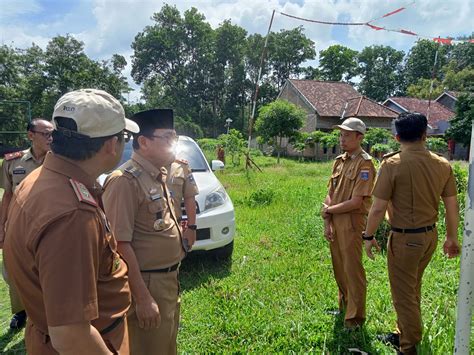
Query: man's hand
[
  {"x": 451, "y": 247},
  {"x": 324, "y": 213},
  {"x": 190, "y": 236},
  {"x": 368, "y": 245},
  {"x": 148, "y": 314},
  {"x": 328, "y": 232}
]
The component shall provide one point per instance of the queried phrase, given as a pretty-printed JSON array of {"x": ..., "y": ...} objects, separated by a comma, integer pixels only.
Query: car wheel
[{"x": 223, "y": 253}]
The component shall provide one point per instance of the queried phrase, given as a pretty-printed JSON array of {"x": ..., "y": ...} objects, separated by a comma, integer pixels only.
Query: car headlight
[{"x": 215, "y": 199}]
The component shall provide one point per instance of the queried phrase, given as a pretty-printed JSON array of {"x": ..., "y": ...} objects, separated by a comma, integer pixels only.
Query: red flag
[
  {"x": 374, "y": 27},
  {"x": 443, "y": 40},
  {"x": 394, "y": 12}
]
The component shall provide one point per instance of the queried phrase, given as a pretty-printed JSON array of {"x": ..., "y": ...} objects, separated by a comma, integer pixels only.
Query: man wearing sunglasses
[{"x": 16, "y": 166}]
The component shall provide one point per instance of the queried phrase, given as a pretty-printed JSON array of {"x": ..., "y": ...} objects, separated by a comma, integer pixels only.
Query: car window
[
  {"x": 186, "y": 150},
  {"x": 190, "y": 151}
]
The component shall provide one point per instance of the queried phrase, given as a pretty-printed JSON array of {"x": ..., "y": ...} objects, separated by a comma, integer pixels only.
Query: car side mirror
[{"x": 217, "y": 165}]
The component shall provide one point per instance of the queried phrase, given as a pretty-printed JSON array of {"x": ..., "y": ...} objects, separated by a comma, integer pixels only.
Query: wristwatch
[
  {"x": 193, "y": 227},
  {"x": 365, "y": 237}
]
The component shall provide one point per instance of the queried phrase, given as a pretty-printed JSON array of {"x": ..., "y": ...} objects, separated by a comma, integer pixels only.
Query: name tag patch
[
  {"x": 364, "y": 175},
  {"x": 19, "y": 171}
]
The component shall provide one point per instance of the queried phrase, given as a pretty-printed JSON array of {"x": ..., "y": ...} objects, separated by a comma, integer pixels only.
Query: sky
[{"x": 109, "y": 26}]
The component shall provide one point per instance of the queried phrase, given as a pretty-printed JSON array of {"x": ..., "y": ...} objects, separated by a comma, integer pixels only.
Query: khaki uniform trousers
[
  {"x": 346, "y": 253},
  {"x": 39, "y": 343},
  {"x": 15, "y": 300},
  {"x": 164, "y": 288},
  {"x": 408, "y": 256}
]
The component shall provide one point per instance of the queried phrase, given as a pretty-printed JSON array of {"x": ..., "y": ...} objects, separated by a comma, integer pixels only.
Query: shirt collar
[
  {"x": 66, "y": 167},
  {"x": 353, "y": 155},
  {"x": 413, "y": 146},
  {"x": 148, "y": 166},
  {"x": 29, "y": 155}
]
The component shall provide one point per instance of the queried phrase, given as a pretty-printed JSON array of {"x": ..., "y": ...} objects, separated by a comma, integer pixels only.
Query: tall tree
[
  {"x": 461, "y": 125},
  {"x": 288, "y": 49},
  {"x": 338, "y": 63},
  {"x": 380, "y": 68}
]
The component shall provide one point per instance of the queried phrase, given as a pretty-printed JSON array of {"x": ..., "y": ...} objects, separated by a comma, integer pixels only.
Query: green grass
[{"x": 274, "y": 295}]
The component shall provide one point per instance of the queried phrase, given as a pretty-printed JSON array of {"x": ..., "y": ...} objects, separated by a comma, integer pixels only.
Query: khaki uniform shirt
[
  {"x": 141, "y": 211},
  {"x": 352, "y": 175},
  {"x": 15, "y": 167},
  {"x": 181, "y": 183},
  {"x": 60, "y": 251},
  {"x": 413, "y": 181}
]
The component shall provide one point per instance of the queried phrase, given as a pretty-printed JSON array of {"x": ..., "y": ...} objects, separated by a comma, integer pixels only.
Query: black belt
[
  {"x": 166, "y": 269},
  {"x": 414, "y": 230},
  {"x": 111, "y": 327}
]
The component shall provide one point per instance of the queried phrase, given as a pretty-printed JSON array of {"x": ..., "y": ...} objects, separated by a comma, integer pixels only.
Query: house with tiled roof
[
  {"x": 327, "y": 103},
  {"x": 437, "y": 114}
]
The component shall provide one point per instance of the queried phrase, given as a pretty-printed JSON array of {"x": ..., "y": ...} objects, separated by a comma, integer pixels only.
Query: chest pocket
[
  {"x": 18, "y": 174},
  {"x": 335, "y": 177},
  {"x": 351, "y": 173}
]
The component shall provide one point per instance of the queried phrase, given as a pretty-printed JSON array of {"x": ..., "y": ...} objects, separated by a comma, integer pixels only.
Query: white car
[{"x": 215, "y": 218}]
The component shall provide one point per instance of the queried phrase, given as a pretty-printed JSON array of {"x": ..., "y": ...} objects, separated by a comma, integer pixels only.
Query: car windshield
[{"x": 186, "y": 150}]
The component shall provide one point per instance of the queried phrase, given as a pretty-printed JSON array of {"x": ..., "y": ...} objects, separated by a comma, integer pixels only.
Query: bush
[
  {"x": 233, "y": 144},
  {"x": 260, "y": 197},
  {"x": 208, "y": 143},
  {"x": 437, "y": 145}
]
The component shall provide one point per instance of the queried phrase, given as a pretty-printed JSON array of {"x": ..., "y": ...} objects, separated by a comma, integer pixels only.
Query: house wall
[
  {"x": 290, "y": 94},
  {"x": 326, "y": 123}
]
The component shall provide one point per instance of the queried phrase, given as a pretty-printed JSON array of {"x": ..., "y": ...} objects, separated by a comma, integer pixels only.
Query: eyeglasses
[
  {"x": 46, "y": 135},
  {"x": 170, "y": 137}
]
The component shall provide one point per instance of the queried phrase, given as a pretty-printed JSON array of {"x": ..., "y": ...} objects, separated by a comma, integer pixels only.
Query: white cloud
[{"x": 109, "y": 26}]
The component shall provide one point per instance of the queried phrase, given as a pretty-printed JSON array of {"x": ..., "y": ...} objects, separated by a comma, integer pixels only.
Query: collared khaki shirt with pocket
[
  {"x": 141, "y": 211},
  {"x": 16, "y": 169},
  {"x": 352, "y": 175},
  {"x": 181, "y": 183}
]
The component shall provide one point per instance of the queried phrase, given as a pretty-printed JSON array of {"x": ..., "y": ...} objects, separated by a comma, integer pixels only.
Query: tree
[
  {"x": 420, "y": 61},
  {"x": 379, "y": 137},
  {"x": 277, "y": 120},
  {"x": 380, "y": 68},
  {"x": 422, "y": 89},
  {"x": 461, "y": 125},
  {"x": 288, "y": 49},
  {"x": 233, "y": 143},
  {"x": 330, "y": 140},
  {"x": 338, "y": 63}
]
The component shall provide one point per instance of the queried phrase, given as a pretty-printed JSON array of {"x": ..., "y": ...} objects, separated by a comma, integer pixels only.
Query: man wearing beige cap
[
  {"x": 59, "y": 248},
  {"x": 345, "y": 211}
]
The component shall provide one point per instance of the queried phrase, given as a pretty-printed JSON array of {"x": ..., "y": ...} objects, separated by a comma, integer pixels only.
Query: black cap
[{"x": 150, "y": 120}]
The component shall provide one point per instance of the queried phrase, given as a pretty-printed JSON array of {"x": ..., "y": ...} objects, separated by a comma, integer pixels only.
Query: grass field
[{"x": 275, "y": 294}]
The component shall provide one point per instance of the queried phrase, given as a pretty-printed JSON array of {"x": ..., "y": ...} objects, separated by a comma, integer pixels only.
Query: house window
[
  {"x": 334, "y": 150},
  {"x": 325, "y": 150}
]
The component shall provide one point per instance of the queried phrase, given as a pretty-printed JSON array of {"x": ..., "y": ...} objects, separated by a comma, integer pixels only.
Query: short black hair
[
  {"x": 31, "y": 126},
  {"x": 411, "y": 126},
  {"x": 73, "y": 145}
]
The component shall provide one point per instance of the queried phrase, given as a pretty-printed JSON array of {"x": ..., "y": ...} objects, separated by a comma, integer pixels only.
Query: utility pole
[{"x": 466, "y": 279}]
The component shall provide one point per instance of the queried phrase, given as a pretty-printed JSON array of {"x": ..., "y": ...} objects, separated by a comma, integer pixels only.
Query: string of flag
[{"x": 371, "y": 25}]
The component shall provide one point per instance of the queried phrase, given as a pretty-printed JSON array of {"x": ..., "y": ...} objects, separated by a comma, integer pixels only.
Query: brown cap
[{"x": 352, "y": 124}]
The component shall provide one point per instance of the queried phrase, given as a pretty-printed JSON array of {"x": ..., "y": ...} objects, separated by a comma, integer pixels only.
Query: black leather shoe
[
  {"x": 18, "y": 321},
  {"x": 392, "y": 339}
]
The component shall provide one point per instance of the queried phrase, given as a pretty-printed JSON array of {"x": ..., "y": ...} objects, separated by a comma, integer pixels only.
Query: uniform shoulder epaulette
[
  {"x": 182, "y": 161},
  {"x": 14, "y": 155},
  {"x": 133, "y": 170},
  {"x": 391, "y": 154},
  {"x": 340, "y": 156},
  {"x": 82, "y": 193},
  {"x": 366, "y": 156}
]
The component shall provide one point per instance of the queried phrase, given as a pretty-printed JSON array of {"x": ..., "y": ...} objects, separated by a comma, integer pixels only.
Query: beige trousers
[
  {"x": 164, "y": 289},
  {"x": 346, "y": 253},
  {"x": 408, "y": 256}
]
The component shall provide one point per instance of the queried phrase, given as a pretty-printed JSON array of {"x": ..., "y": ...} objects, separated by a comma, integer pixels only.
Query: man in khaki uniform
[
  {"x": 139, "y": 205},
  {"x": 344, "y": 211},
  {"x": 409, "y": 185},
  {"x": 59, "y": 249},
  {"x": 183, "y": 188},
  {"x": 16, "y": 166}
]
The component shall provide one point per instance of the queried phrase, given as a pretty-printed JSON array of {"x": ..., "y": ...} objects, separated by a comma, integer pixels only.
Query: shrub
[
  {"x": 437, "y": 145},
  {"x": 261, "y": 197}
]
